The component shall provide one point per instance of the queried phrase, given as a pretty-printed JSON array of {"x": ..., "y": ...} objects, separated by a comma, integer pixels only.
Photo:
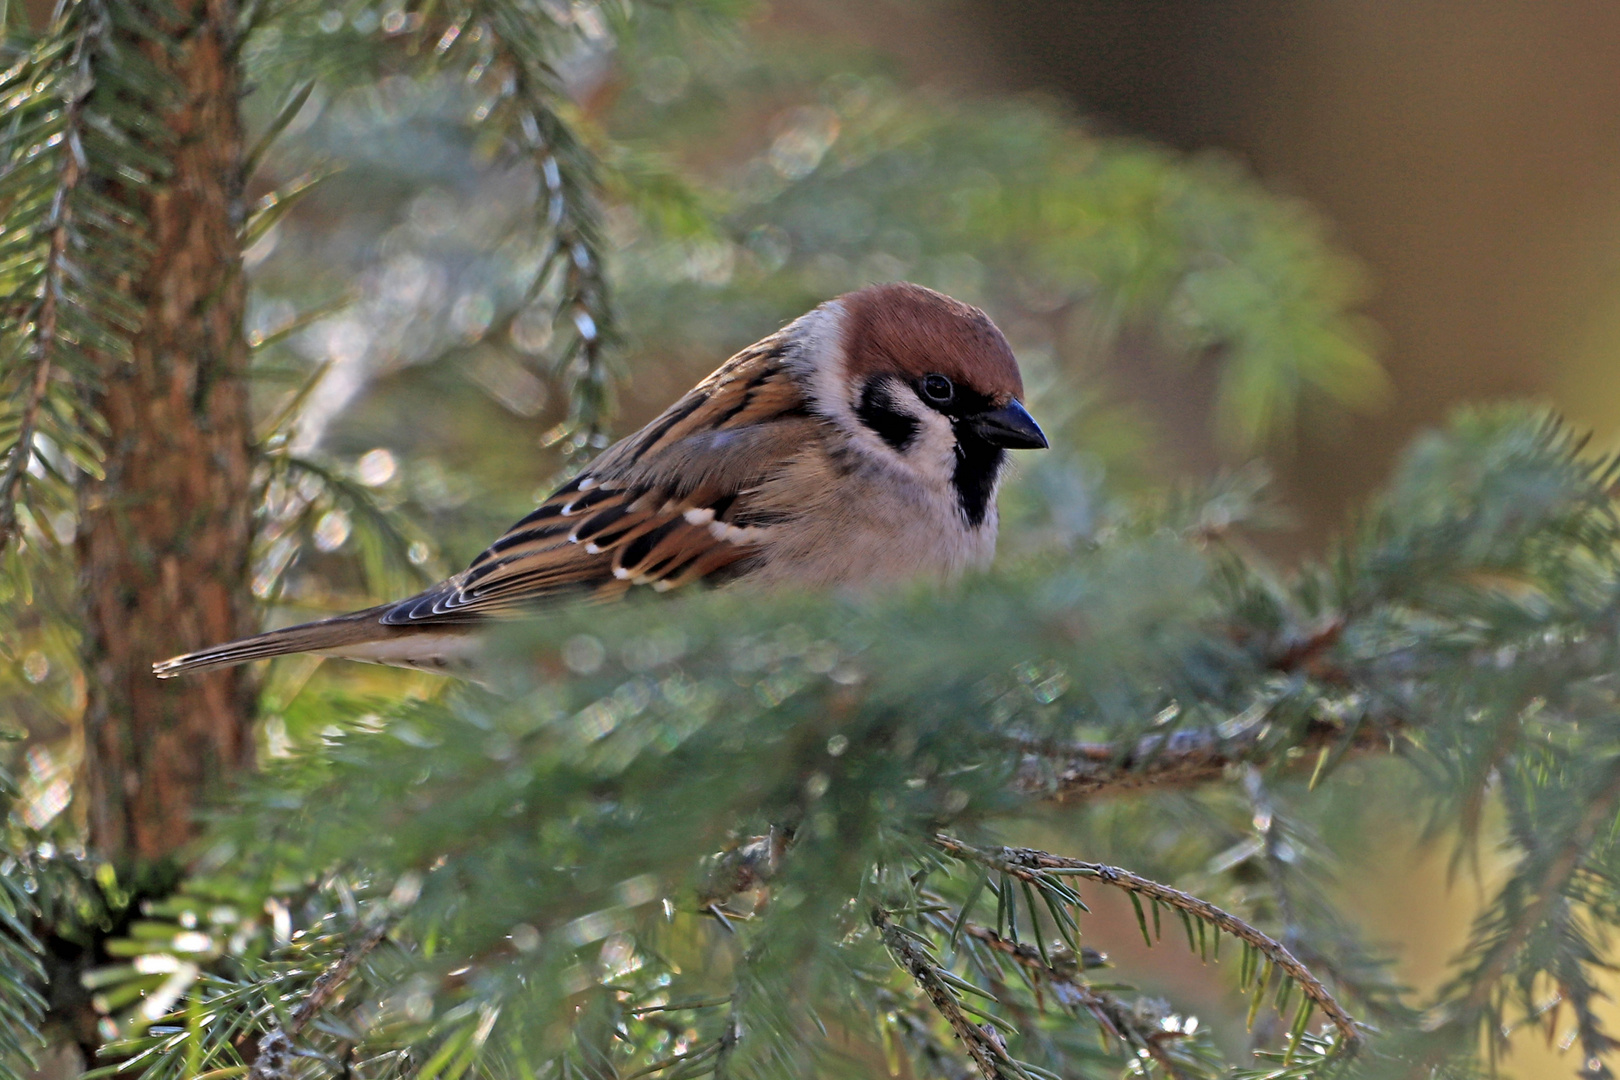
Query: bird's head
[{"x": 935, "y": 385}]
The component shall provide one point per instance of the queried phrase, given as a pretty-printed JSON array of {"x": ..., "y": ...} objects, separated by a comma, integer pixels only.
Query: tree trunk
[{"x": 164, "y": 540}]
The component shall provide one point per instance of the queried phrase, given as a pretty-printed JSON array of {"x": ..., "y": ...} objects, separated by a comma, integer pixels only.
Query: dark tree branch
[
  {"x": 1065, "y": 772},
  {"x": 987, "y": 1055},
  {"x": 44, "y": 311},
  {"x": 276, "y": 1046},
  {"x": 1111, "y": 1015},
  {"x": 1025, "y": 864},
  {"x": 1561, "y": 865}
]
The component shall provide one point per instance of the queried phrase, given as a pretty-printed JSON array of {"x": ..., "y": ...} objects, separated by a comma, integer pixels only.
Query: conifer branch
[
  {"x": 1111, "y": 1015},
  {"x": 81, "y": 141},
  {"x": 41, "y": 344},
  {"x": 1427, "y": 674},
  {"x": 22, "y": 1007},
  {"x": 276, "y": 1046},
  {"x": 1266, "y": 824},
  {"x": 1027, "y": 864},
  {"x": 1559, "y": 867},
  {"x": 510, "y": 51},
  {"x": 570, "y": 187},
  {"x": 987, "y": 1055},
  {"x": 1063, "y": 772},
  {"x": 691, "y": 1057}
]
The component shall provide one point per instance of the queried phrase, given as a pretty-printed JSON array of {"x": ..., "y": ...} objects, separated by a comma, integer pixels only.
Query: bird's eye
[{"x": 938, "y": 389}]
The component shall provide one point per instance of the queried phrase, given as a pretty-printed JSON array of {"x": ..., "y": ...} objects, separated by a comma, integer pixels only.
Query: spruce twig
[
  {"x": 1175, "y": 760},
  {"x": 1026, "y": 864},
  {"x": 570, "y": 182},
  {"x": 1560, "y": 866},
  {"x": 276, "y": 1046},
  {"x": 1112, "y": 1016},
  {"x": 909, "y": 955},
  {"x": 43, "y": 314}
]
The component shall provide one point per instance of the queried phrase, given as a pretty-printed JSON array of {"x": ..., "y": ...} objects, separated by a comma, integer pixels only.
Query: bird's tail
[{"x": 356, "y": 628}]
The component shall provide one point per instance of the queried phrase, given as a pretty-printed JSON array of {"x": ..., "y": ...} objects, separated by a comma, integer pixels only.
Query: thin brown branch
[
  {"x": 913, "y": 1023},
  {"x": 908, "y": 954},
  {"x": 1308, "y": 652},
  {"x": 1065, "y": 772},
  {"x": 1027, "y": 864},
  {"x": 276, "y": 1047},
  {"x": 44, "y": 309},
  {"x": 1111, "y": 1016},
  {"x": 1599, "y": 813},
  {"x": 1482, "y": 980}
]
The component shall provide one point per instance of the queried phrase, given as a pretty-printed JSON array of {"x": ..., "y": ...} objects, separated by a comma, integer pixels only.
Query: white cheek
[
  {"x": 931, "y": 455},
  {"x": 933, "y": 451}
]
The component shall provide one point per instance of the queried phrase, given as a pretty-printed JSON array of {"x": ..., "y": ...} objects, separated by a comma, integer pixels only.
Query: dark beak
[{"x": 1010, "y": 426}]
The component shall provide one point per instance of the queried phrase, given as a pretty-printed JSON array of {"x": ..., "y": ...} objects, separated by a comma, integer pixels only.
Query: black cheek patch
[
  {"x": 877, "y": 412},
  {"x": 978, "y": 464}
]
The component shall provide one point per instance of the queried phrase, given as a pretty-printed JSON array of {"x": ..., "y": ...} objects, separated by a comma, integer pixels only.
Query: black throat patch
[
  {"x": 876, "y": 410},
  {"x": 978, "y": 464}
]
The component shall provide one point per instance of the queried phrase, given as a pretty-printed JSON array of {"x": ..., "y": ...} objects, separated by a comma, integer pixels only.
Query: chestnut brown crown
[{"x": 913, "y": 331}]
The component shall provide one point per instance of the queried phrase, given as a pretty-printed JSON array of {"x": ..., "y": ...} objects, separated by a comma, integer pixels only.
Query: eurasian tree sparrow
[{"x": 861, "y": 444}]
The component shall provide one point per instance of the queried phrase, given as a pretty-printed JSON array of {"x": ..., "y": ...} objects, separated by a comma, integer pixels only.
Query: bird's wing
[{"x": 664, "y": 507}]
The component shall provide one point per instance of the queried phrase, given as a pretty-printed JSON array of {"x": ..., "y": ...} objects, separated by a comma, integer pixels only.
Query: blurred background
[
  {"x": 1467, "y": 153},
  {"x": 1217, "y": 233},
  {"x": 1444, "y": 175}
]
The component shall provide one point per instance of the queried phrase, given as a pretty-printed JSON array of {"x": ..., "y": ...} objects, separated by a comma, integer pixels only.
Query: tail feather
[{"x": 356, "y": 628}]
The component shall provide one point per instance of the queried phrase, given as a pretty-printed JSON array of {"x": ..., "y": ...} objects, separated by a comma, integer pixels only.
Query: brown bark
[{"x": 164, "y": 541}]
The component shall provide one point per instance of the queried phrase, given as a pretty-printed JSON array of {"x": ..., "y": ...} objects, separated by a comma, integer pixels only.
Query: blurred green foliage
[
  {"x": 701, "y": 837},
  {"x": 21, "y": 1004},
  {"x": 840, "y": 176},
  {"x": 730, "y": 812}
]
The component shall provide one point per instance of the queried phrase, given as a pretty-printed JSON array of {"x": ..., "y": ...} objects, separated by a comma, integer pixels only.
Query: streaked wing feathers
[{"x": 652, "y": 510}]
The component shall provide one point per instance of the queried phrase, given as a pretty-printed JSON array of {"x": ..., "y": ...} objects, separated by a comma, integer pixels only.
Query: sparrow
[{"x": 860, "y": 445}]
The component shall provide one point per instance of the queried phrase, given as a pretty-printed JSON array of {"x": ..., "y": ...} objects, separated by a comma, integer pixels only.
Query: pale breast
[{"x": 869, "y": 526}]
